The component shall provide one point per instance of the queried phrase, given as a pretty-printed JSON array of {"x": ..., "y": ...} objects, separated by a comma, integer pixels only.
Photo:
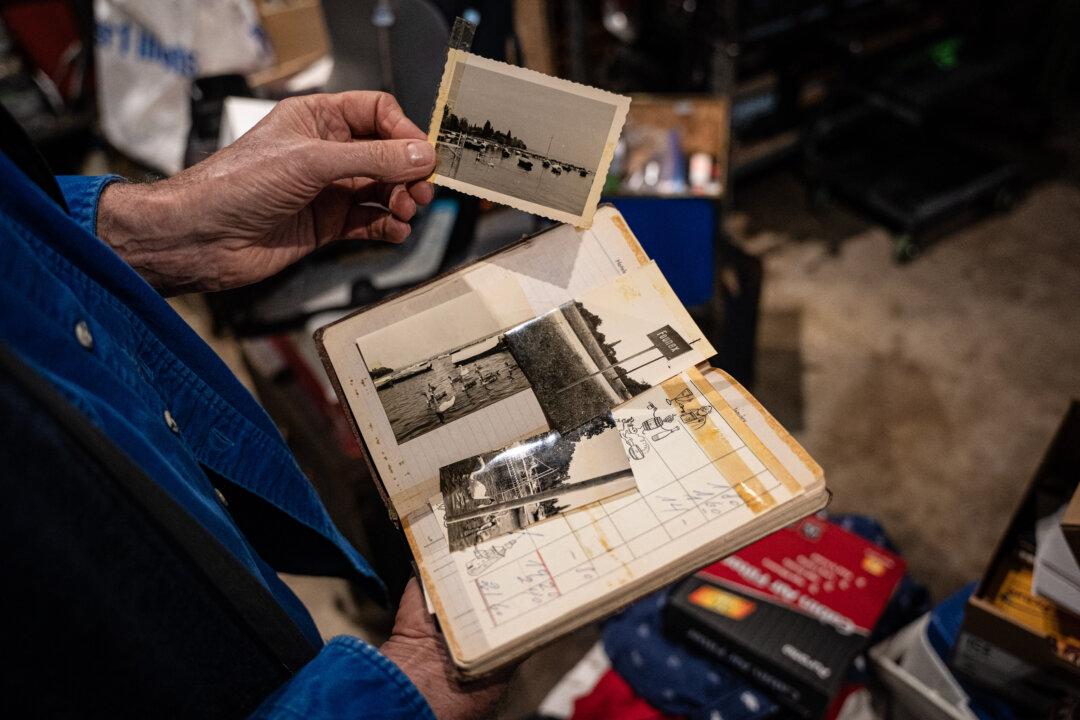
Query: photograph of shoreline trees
[
  {"x": 453, "y": 124},
  {"x": 572, "y": 367}
]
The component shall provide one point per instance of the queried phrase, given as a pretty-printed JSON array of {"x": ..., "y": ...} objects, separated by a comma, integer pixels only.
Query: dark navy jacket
[{"x": 79, "y": 320}]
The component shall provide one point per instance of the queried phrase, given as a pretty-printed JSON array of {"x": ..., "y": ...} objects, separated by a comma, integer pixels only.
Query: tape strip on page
[{"x": 620, "y": 103}]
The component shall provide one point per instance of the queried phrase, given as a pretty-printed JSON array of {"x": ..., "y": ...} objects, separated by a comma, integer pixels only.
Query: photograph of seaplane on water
[
  {"x": 617, "y": 341},
  {"x": 508, "y": 490},
  {"x": 440, "y": 365},
  {"x": 523, "y": 139}
]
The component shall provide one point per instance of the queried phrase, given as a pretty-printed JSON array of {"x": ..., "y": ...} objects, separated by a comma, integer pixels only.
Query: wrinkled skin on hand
[
  {"x": 416, "y": 648},
  {"x": 304, "y": 176}
]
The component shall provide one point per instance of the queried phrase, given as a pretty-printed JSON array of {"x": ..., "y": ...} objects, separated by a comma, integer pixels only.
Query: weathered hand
[
  {"x": 415, "y": 647},
  {"x": 300, "y": 178}
]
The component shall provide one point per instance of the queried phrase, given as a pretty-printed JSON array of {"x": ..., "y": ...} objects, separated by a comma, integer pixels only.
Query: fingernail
[{"x": 420, "y": 153}]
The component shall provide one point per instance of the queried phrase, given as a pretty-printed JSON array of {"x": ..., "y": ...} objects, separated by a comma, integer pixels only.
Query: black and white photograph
[
  {"x": 590, "y": 355},
  {"x": 508, "y": 490},
  {"x": 519, "y": 138},
  {"x": 440, "y": 365}
]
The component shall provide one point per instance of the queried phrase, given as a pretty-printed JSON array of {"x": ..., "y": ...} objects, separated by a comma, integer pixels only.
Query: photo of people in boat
[
  {"x": 438, "y": 364},
  {"x": 435, "y": 391},
  {"x": 504, "y": 133},
  {"x": 508, "y": 490}
]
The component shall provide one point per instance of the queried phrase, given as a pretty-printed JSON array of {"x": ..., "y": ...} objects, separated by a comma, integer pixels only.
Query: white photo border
[{"x": 620, "y": 102}]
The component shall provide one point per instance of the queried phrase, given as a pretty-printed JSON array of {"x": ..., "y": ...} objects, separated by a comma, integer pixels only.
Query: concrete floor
[{"x": 927, "y": 391}]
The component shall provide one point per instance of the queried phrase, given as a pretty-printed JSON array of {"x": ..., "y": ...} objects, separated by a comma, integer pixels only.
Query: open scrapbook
[{"x": 544, "y": 427}]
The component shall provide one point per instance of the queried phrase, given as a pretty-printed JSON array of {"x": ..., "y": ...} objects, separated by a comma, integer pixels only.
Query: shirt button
[
  {"x": 221, "y": 497},
  {"x": 83, "y": 335},
  {"x": 171, "y": 422}
]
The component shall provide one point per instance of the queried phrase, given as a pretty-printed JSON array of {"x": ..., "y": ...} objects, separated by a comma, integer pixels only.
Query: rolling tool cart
[{"x": 912, "y": 178}]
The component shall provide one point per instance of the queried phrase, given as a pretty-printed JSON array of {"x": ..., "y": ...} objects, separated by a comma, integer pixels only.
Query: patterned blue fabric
[
  {"x": 670, "y": 678},
  {"x": 90, "y": 325},
  {"x": 678, "y": 682}
]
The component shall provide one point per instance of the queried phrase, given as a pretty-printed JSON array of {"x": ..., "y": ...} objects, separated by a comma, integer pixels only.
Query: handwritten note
[{"x": 698, "y": 480}]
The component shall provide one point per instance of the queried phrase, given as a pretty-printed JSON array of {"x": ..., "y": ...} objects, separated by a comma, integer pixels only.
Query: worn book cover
[{"x": 523, "y": 526}]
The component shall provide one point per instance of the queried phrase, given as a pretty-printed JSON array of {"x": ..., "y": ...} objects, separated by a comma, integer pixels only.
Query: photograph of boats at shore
[
  {"x": 442, "y": 364},
  {"x": 523, "y": 139},
  {"x": 438, "y": 390},
  {"x": 500, "y": 492}
]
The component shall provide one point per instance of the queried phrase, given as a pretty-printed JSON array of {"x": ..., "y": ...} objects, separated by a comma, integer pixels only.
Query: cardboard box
[
  {"x": 1013, "y": 641},
  {"x": 297, "y": 32},
  {"x": 702, "y": 121},
  {"x": 1070, "y": 524}
]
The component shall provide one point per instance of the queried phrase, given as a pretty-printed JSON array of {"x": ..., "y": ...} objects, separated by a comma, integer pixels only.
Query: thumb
[{"x": 383, "y": 160}]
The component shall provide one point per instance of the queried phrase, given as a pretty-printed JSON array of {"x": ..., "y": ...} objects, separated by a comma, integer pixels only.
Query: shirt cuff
[
  {"x": 82, "y": 194},
  {"x": 347, "y": 679}
]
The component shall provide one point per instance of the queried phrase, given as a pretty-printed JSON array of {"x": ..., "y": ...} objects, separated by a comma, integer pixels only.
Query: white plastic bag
[{"x": 148, "y": 54}]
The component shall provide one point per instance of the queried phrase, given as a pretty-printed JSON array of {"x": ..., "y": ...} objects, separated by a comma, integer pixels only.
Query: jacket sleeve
[
  {"x": 347, "y": 679},
  {"x": 82, "y": 194}
]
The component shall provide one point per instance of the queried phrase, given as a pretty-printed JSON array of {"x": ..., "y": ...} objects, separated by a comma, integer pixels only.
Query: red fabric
[
  {"x": 613, "y": 699},
  {"x": 846, "y": 691},
  {"x": 46, "y": 30}
]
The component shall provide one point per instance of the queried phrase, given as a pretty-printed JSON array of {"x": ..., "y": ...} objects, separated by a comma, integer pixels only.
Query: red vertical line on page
[{"x": 548, "y": 571}]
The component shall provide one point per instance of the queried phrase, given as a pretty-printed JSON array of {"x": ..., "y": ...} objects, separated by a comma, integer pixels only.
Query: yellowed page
[{"x": 701, "y": 476}]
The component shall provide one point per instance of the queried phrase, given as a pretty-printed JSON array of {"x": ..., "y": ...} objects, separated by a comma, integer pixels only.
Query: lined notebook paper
[{"x": 702, "y": 481}]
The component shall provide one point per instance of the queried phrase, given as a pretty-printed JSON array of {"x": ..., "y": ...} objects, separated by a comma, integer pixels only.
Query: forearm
[{"x": 144, "y": 224}]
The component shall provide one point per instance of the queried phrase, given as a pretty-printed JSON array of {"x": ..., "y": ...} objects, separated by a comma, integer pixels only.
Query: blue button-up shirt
[{"x": 88, "y": 323}]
